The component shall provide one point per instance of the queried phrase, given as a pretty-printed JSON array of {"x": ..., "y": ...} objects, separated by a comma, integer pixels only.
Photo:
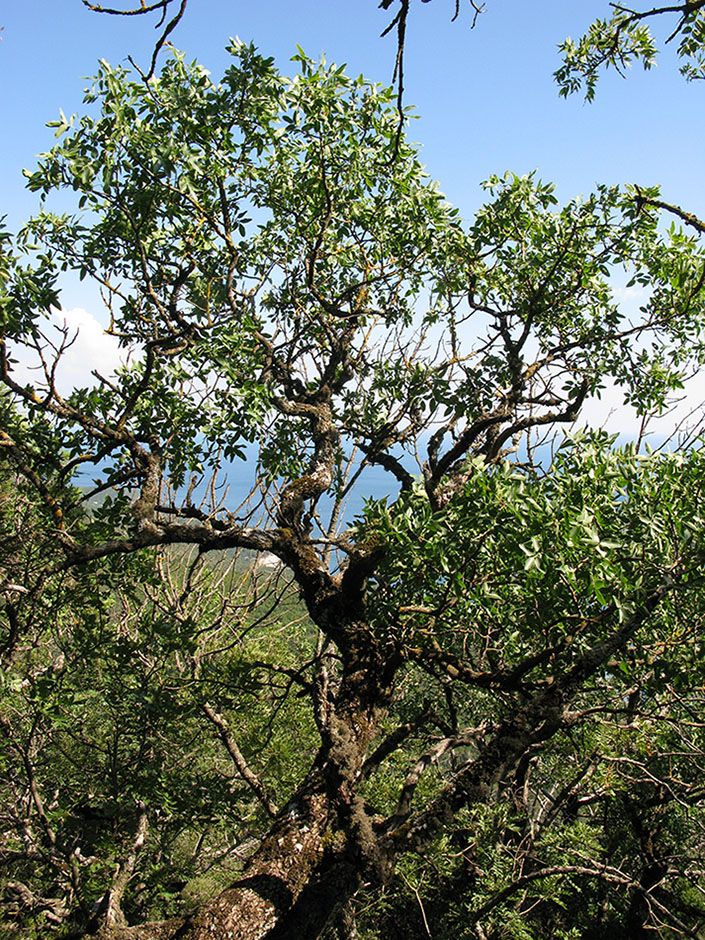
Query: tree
[{"x": 481, "y": 646}]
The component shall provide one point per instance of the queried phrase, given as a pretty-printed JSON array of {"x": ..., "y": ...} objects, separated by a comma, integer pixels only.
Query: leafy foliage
[{"x": 625, "y": 37}]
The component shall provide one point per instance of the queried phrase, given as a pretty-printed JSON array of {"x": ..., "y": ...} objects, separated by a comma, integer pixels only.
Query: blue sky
[{"x": 485, "y": 97}]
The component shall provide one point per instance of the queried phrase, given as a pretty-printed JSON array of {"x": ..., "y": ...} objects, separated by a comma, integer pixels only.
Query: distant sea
[
  {"x": 373, "y": 483},
  {"x": 236, "y": 481}
]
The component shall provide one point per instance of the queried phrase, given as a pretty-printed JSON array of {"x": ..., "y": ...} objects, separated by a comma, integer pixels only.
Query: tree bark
[
  {"x": 302, "y": 873},
  {"x": 313, "y": 859}
]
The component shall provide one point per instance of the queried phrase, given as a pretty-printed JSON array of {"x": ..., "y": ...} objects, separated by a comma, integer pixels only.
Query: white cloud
[
  {"x": 89, "y": 348},
  {"x": 92, "y": 349},
  {"x": 610, "y": 412},
  {"x": 612, "y": 415}
]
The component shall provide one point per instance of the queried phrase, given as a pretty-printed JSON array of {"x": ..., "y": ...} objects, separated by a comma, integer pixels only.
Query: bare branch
[{"x": 241, "y": 764}]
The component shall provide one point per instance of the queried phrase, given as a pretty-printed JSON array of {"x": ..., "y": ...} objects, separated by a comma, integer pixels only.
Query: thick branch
[
  {"x": 113, "y": 914},
  {"x": 687, "y": 217},
  {"x": 534, "y": 723}
]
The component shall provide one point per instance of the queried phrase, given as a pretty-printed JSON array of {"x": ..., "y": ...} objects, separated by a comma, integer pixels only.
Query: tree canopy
[{"x": 473, "y": 710}]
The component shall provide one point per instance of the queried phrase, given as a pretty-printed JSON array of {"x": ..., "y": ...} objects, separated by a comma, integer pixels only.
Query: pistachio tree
[{"x": 300, "y": 304}]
